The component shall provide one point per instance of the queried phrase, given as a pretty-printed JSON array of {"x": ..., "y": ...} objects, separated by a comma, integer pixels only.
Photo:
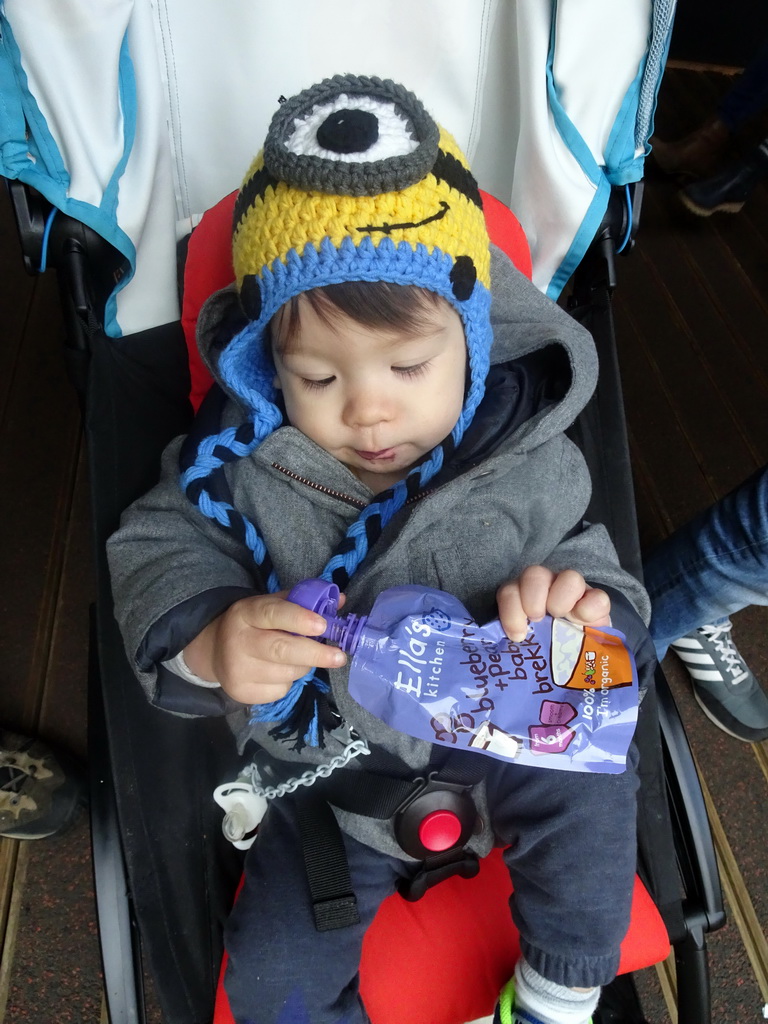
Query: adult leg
[
  {"x": 749, "y": 94},
  {"x": 730, "y": 188},
  {"x": 700, "y": 152},
  {"x": 281, "y": 969},
  {"x": 713, "y": 566}
]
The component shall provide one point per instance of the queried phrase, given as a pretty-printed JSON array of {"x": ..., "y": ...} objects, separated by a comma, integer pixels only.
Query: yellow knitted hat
[{"x": 356, "y": 181}]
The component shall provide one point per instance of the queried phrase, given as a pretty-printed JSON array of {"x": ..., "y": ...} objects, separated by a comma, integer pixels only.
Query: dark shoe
[
  {"x": 40, "y": 792},
  {"x": 723, "y": 684},
  {"x": 727, "y": 191},
  {"x": 697, "y": 154}
]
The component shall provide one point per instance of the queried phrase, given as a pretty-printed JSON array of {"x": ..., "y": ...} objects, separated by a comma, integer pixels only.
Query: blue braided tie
[
  {"x": 206, "y": 462},
  {"x": 278, "y": 710}
]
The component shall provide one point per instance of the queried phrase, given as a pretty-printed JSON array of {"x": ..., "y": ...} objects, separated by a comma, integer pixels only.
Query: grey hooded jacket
[{"x": 173, "y": 570}]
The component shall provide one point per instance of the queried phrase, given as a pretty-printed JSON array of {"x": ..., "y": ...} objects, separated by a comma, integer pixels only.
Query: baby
[{"x": 391, "y": 409}]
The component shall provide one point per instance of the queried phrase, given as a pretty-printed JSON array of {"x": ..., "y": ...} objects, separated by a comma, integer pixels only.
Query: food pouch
[{"x": 565, "y": 697}]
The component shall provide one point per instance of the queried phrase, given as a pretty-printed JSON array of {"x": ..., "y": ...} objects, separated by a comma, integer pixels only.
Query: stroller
[{"x": 165, "y": 877}]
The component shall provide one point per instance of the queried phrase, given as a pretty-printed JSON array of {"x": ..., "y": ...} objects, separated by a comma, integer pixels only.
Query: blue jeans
[{"x": 713, "y": 566}]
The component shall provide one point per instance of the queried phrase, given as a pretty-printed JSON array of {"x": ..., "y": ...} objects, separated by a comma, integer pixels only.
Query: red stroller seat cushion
[
  {"x": 209, "y": 268},
  {"x": 444, "y": 959}
]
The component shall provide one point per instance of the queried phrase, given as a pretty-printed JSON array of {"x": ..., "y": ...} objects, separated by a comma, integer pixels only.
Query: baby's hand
[
  {"x": 259, "y": 646},
  {"x": 539, "y": 590}
]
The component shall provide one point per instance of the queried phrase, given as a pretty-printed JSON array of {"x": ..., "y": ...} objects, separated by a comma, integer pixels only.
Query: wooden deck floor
[
  {"x": 692, "y": 328},
  {"x": 692, "y": 323}
]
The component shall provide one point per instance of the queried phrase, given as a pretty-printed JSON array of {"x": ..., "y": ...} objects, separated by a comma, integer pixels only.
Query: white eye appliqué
[
  {"x": 351, "y": 135},
  {"x": 352, "y": 129}
]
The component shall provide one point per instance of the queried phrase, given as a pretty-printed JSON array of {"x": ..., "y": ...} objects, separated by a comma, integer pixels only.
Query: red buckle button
[{"x": 439, "y": 831}]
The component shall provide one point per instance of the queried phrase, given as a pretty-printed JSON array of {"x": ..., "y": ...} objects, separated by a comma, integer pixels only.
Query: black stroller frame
[{"x": 152, "y": 775}]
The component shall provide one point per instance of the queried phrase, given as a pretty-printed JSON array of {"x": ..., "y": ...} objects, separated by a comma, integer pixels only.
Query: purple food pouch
[{"x": 566, "y": 697}]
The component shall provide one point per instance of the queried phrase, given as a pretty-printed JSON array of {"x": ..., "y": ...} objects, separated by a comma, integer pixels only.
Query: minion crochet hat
[{"x": 356, "y": 182}]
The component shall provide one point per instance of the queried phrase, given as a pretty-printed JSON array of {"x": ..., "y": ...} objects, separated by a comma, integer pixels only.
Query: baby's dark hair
[{"x": 376, "y": 304}]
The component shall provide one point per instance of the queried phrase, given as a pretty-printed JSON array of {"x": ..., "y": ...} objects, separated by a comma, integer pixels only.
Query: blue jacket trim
[{"x": 34, "y": 157}]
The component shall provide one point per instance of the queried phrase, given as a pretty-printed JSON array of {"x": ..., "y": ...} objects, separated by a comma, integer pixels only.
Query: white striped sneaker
[{"x": 723, "y": 684}]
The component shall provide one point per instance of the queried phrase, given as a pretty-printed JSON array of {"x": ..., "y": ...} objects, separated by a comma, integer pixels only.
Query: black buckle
[
  {"x": 436, "y": 869},
  {"x": 428, "y": 795}
]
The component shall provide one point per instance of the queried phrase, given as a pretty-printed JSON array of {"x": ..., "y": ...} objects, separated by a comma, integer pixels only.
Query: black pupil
[{"x": 348, "y": 131}]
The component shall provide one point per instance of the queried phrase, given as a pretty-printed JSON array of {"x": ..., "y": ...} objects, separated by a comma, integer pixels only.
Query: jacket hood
[{"x": 527, "y": 327}]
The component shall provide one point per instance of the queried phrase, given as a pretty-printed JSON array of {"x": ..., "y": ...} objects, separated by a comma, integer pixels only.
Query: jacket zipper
[
  {"x": 338, "y": 494},
  {"x": 319, "y": 487}
]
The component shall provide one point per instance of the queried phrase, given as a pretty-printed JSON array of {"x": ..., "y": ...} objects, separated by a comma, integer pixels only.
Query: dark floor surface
[{"x": 692, "y": 326}]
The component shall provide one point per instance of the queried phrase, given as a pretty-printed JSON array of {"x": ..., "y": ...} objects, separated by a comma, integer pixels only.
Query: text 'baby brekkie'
[{"x": 565, "y": 697}]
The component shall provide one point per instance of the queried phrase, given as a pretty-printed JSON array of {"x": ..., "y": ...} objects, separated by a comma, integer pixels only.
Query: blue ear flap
[
  {"x": 463, "y": 277},
  {"x": 250, "y": 296}
]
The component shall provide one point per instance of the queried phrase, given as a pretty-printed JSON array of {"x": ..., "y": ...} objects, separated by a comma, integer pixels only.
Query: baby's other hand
[
  {"x": 539, "y": 591},
  {"x": 259, "y": 646}
]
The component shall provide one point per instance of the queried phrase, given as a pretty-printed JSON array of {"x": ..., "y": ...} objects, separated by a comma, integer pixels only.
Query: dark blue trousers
[
  {"x": 281, "y": 969},
  {"x": 571, "y": 855}
]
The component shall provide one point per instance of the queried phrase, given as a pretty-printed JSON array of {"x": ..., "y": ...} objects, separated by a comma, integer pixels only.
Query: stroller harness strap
[
  {"x": 433, "y": 817},
  {"x": 334, "y": 903}
]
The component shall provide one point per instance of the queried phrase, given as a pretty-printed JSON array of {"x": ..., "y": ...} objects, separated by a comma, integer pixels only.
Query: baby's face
[{"x": 376, "y": 400}]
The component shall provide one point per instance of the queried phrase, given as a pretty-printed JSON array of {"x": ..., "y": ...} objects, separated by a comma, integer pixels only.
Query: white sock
[{"x": 546, "y": 1002}]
